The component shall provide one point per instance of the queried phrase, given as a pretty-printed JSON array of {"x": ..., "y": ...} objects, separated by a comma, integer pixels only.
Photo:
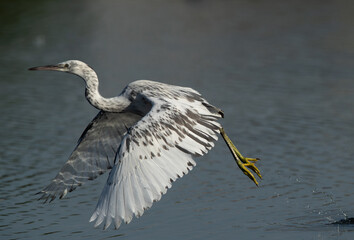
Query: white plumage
[
  {"x": 147, "y": 136},
  {"x": 145, "y": 168}
]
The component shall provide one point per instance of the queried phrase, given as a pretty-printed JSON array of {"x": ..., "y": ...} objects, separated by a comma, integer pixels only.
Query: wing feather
[
  {"x": 155, "y": 152},
  {"x": 94, "y": 153}
]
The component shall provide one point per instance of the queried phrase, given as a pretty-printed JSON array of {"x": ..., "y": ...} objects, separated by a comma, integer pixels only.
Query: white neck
[{"x": 115, "y": 104}]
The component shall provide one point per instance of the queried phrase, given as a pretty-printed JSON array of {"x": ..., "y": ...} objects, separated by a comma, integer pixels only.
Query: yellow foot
[{"x": 242, "y": 162}]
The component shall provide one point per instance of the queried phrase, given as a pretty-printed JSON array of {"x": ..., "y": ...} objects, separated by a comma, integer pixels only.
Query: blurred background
[{"x": 282, "y": 71}]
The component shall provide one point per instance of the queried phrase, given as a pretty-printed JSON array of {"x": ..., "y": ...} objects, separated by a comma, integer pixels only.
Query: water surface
[{"x": 282, "y": 72}]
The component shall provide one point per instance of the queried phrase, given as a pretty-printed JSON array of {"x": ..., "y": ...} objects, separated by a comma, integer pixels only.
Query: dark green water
[{"x": 282, "y": 72}]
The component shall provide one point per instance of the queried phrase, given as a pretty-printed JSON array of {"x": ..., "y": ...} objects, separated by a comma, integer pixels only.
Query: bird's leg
[{"x": 242, "y": 162}]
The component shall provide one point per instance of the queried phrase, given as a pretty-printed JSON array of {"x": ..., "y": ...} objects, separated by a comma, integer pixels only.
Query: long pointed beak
[{"x": 48, "y": 67}]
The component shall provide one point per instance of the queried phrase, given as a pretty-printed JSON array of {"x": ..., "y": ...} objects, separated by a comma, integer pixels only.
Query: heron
[{"x": 147, "y": 136}]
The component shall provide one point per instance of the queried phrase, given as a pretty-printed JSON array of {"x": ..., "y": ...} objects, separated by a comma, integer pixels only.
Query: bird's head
[{"x": 71, "y": 66}]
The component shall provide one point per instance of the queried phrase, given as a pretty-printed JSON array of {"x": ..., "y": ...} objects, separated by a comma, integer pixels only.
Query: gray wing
[{"x": 94, "y": 153}]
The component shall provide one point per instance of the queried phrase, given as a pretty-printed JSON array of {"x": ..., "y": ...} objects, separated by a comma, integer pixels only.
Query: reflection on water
[{"x": 282, "y": 72}]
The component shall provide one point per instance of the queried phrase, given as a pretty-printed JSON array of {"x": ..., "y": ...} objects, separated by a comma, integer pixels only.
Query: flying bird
[{"x": 147, "y": 137}]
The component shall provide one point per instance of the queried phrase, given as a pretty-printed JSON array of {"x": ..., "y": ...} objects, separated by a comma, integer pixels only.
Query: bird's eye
[{"x": 66, "y": 65}]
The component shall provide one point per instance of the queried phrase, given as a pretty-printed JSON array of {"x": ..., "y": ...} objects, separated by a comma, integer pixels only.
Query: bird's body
[{"x": 147, "y": 135}]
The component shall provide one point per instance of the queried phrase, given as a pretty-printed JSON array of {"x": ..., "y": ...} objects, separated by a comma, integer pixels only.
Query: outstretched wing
[
  {"x": 154, "y": 153},
  {"x": 94, "y": 153}
]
